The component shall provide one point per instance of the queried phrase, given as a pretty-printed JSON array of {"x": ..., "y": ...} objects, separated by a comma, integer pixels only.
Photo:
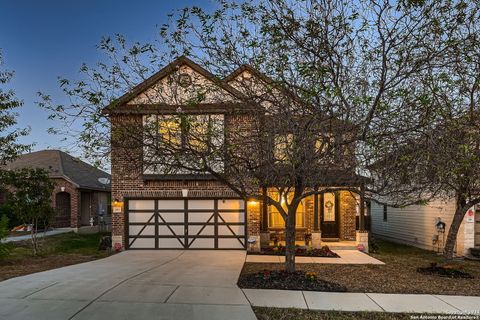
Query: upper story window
[
  {"x": 201, "y": 130},
  {"x": 173, "y": 142},
  {"x": 169, "y": 130},
  {"x": 325, "y": 143},
  {"x": 282, "y": 147}
]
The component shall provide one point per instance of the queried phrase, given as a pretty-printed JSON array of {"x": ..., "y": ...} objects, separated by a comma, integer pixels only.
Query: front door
[{"x": 329, "y": 215}]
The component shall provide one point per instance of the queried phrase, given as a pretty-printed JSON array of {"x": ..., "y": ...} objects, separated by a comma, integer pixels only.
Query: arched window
[{"x": 63, "y": 209}]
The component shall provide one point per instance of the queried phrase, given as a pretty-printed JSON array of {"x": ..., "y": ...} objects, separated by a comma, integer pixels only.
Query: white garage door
[{"x": 186, "y": 224}]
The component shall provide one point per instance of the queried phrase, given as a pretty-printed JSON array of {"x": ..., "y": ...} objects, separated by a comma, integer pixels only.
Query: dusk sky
[{"x": 42, "y": 40}]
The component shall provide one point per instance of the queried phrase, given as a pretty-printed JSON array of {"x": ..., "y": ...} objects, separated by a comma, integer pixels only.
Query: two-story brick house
[{"x": 159, "y": 209}]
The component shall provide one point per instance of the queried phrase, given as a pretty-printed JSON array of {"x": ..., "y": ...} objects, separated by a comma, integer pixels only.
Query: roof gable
[{"x": 182, "y": 82}]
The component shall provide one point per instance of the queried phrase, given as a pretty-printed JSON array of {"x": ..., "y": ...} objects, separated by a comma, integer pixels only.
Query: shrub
[{"x": 13, "y": 220}]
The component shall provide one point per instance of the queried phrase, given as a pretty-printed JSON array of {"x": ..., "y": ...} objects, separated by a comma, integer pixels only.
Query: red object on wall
[{"x": 118, "y": 246}]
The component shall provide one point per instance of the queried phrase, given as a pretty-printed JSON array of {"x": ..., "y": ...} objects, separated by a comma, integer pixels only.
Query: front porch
[
  {"x": 346, "y": 256},
  {"x": 335, "y": 219}
]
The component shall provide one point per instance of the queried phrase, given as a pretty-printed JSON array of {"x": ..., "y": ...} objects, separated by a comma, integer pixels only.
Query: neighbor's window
[
  {"x": 275, "y": 218},
  {"x": 385, "y": 212}
]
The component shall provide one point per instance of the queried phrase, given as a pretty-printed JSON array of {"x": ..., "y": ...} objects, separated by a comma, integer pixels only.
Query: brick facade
[
  {"x": 128, "y": 182},
  {"x": 127, "y": 169},
  {"x": 74, "y": 221},
  {"x": 71, "y": 189}
]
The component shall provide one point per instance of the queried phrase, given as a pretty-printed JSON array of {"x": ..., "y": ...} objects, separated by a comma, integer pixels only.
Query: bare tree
[
  {"x": 328, "y": 82},
  {"x": 441, "y": 158}
]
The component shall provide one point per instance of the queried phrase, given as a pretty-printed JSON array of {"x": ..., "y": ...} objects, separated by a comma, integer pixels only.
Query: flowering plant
[{"x": 311, "y": 276}]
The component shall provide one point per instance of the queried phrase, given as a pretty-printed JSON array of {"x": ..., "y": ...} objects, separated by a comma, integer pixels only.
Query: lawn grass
[
  {"x": 299, "y": 314},
  {"x": 55, "y": 251},
  {"x": 398, "y": 275}
]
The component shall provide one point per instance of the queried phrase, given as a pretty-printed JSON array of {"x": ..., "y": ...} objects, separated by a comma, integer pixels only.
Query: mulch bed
[
  {"x": 449, "y": 271},
  {"x": 398, "y": 275},
  {"x": 324, "y": 252},
  {"x": 278, "y": 279}
]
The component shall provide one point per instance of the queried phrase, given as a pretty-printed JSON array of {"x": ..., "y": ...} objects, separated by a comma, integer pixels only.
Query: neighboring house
[
  {"x": 154, "y": 210},
  {"x": 78, "y": 195},
  {"x": 417, "y": 225}
]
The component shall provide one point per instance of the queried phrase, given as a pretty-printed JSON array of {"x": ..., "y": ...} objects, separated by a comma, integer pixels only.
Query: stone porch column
[
  {"x": 361, "y": 238},
  {"x": 253, "y": 225},
  {"x": 316, "y": 233},
  {"x": 264, "y": 233}
]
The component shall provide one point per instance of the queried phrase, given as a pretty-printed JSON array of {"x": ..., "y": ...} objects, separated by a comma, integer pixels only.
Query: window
[
  {"x": 325, "y": 143},
  {"x": 169, "y": 131},
  {"x": 275, "y": 219},
  {"x": 385, "y": 211},
  {"x": 172, "y": 143},
  {"x": 282, "y": 145},
  {"x": 204, "y": 132},
  {"x": 198, "y": 134}
]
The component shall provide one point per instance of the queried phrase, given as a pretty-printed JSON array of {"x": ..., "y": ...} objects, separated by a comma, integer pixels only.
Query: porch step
[
  {"x": 340, "y": 245},
  {"x": 330, "y": 239},
  {"x": 335, "y": 247}
]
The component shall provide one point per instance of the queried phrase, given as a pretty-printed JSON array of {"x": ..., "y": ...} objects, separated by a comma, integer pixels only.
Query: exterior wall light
[
  {"x": 184, "y": 193},
  {"x": 117, "y": 206}
]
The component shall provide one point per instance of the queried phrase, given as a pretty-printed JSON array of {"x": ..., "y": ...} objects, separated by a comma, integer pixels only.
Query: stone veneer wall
[{"x": 348, "y": 211}]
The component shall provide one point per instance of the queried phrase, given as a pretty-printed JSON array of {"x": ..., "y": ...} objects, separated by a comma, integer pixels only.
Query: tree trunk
[
  {"x": 460, "y": 211},
  {"x": 34, "y": 237},
  {"x": 290, "y": 241}
]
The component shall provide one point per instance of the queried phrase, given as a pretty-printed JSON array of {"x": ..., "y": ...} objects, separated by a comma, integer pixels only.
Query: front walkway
[
  {"x": 346, "y": 301},
  {"x": 39, "y": 235},
  {"x": 346, "y": 257}
]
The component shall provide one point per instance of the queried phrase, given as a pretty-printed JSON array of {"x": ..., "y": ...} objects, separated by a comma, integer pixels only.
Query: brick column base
[
  {"x": 253, "y": 244},
  {"x": 362, "y": 240},
  {"x": 317, "y": 239},
  {"x": 264, "y": 239}
]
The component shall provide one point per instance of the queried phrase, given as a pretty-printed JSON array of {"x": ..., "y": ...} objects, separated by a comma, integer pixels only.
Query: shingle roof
[{"x": 62, "y": 165}]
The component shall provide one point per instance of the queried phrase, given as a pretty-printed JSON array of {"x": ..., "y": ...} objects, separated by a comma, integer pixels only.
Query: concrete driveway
[{"x": 133, "y": 285}]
